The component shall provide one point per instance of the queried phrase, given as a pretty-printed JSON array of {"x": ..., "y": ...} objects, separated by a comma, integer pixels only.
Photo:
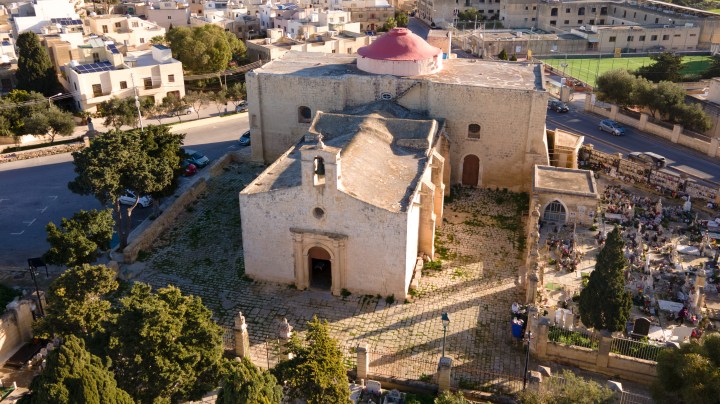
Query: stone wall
[
  {"x": 15, "y": 328},
  {"x": 45, "y": 151},
  {"x": 675, "y": 135}
]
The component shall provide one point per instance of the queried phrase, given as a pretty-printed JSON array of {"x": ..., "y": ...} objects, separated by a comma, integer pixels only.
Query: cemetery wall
[{"x": 15, "y": 328}]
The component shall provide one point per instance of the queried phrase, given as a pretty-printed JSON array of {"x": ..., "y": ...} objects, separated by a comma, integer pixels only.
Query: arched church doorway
[
  {"x": 555, "y": 212},
  {"x": 320, "y": 268},
  {"x": 470, "y": 170}
]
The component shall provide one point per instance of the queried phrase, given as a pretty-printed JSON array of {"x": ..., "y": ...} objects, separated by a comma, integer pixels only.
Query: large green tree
[
  {"x": 244, "y": 383},
  {"x": 204, "y": 49},
  {"x": 615, "y": 87},
  {"x": 35, "y": 70},
  {"x": 316, "y": 373},
  {"x": 119, "y": 112},
  {"x": 72, "y": 375},
  {"x": 689, "y": 375},
  {"x": 145, "y": 162},
  {"x": 198, "y": 100},
  {"x": 666, "y": 67},
  {"x": 714, "y": 69},
  {"x": 77, "y": 303},
  {"x": 16, "y": 106},
  {"x": 604, "y": 302},
  {"x": 165, "y": 345},
  {"x": 79, "y": 239},
  {"x": 52, "y": 122}
]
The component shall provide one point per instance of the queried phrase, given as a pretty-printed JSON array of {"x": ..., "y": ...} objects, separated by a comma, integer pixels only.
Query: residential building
[
  {"x": 132, "y": 32},
  {"x": 40, "y": 13},
  {"x": 169, "y": 13},
  {"x": 277, "y": 44},
  {"x": 101, "y": 72}
]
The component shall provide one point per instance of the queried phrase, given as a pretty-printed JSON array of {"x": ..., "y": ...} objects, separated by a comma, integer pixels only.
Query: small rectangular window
[
  {"x": 630, "y": 38},
  {"x": 105, "y": 29},
  {"x": 142, "y": 40},
  {"x": 123, "y": 85},
  {"x": 676, "y": 35},
  {"x": 580, "y": 21},
  {"x": 135, "y": 24},
  {"x": 693, "y": 34},
  {"x": 611, "y": 39},
  {"x": 566, "y": 22},
  {"x": 553, "y": 23},
  {"x": 567, "y": 11},
  {"x": 118, "y": 25},
  {"x": 171, "y": 78},
  {"x": 148, "y": 83},
  {"x": 653, "y": 37},
  {"x": 642, "y": 38},
  {"x": 97, "y": 90},
  {"x": 666, "y": 37}
]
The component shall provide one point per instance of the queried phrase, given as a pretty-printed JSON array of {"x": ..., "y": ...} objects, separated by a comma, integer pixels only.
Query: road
[
  {"x": 679, "y": 158},
  {"x": 34, "y": 192}
]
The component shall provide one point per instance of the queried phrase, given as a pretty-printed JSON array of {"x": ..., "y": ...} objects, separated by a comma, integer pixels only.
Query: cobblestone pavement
[{"x": 476, "y": 286}]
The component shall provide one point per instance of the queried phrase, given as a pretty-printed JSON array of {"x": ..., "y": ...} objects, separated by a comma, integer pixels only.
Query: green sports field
[{"x": 589, "y": 68}]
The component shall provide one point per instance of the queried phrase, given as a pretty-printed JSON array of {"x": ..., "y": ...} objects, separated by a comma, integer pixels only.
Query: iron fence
[
  {"x": 473, "y": 378},
  {"x": 635, "y": 349},
  {"x": 632, "y": 398},
  {"x": 581, "y": 338},
  {"x": 407, "y": 366},
  {"x": 696, "y": 135}
]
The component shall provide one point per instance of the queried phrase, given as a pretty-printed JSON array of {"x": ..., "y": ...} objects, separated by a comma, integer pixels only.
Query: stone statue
[
  {"x": 285, "y": 330},
  {"x": 240, "y": 322}
]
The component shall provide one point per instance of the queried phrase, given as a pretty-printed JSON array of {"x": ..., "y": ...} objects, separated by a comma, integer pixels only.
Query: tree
[
  {"x": 571, "y": 389},
  {"x": 502, "y": 55},
  {"x": 173, "y": 105},
  {"x": 513, "y": 58},
  {"x": 714, "y": 69},
  {"x": 165, "y": 346},
  {"x": 119, "y": 112},
  {"x": 117, "y": 161},
  {"x": 18, "y": 105},
  {"x": 52, "y": 122},
  {"x": 204, "y": 49},
  {"x": 615, "y": 87},
  {"x": 243, "y": 383},
  {"x": 197, "y": 99},
  {"x": 220, "y": 98},
  {"x": 690, "y": 374},
  {"x": 667, "y": 67},
  {"x": 666, "y": 96},
  {"x": 73, "y": 375},
  {"x": 691, "y": 116},
  {"x": 76, "y": 302},
  {"x": 78, "y": 240},
  {"x": 604, "y": 303},
  {"x": 35, "y": 70},
  {"x": 159, "y": 39},
  {"x": 643, "y": 94},
  {"x": 316, "y": 373},
  {"x": 236, "y": 93},
  {"x": 390, "y": 23},
  {"x": 402, "y": 19}
]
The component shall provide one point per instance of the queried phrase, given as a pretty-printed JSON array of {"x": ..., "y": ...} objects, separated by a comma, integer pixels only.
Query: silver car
[
  {"x": 611, "y": 127},
  {"x": 130, "y": 197}
]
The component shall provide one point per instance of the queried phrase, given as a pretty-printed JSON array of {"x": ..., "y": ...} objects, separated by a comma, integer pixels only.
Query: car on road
[
  {"x": 196, "y": 158},
  {"x": 649, "y": 158},
  {"x": 187, "y": 110},
  {"x": 611, "y": 127},
  {"x": 189, "y": 169},
  {"x": 558, "y": 106},
  {"x": 245, "y": 139},
  {"x": 242, "y": 107},
  {"x": 130, "y": 197}
]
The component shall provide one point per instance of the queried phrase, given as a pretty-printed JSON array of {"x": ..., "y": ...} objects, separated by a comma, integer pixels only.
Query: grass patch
[{"x": 434, "y": 265}]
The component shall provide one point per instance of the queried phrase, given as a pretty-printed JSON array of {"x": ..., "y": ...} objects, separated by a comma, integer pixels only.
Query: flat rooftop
[
  {"x": 467, "y": 72},
  {"x": 564, "y": 181}
]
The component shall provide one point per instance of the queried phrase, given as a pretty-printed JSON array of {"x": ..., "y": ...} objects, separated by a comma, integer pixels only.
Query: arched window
[
  {"x": 304, "y": 114},
  {"x": 474, "y": 131},
  {"x": 553, "y": 12},
  {"x": 319, "y": 171}
]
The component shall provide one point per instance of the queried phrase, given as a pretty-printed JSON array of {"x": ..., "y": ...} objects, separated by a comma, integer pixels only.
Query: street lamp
[
  {"x": 527, "y": 358},
  {"x": 445, "y": 322},
  {"x": 51, "y": 97},
  {"x": 33, "y": 264}
]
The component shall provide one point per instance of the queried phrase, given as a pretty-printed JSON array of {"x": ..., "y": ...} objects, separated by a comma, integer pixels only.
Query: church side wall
[
  {"x": 375, "y": 262},
  {"x": 413, "y": 232}
]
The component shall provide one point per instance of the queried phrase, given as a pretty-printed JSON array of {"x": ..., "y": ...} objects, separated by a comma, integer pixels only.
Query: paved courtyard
[{"x": 477, "y": 244}]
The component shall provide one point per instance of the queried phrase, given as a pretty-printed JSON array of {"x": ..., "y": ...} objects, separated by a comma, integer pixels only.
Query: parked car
[
  {"x": 196, "y": 158},
  {"x": 649, "y": 158},
  {"x": 189, "y": 169},
  {"x": 130, "y": 197},
  {"x": 558, "y": 106},
  {"x": 611, "y": 127},
  {"x": 242, "y": 107},
  {"x": 245, "y": 139},
  {"x": 188, "y": 110}
]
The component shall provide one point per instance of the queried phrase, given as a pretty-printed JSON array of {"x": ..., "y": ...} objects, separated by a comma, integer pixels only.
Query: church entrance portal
[
  {"x": 471, "y": 168},
  {"x": 555, "y": 212},
  {"x": 320, "y": 268}
]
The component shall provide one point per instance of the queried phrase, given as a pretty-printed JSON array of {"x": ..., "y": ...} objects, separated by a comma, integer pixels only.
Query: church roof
[
  {"x": 560, "y": 180},
  {"x": 383, "y": 148},
  {"x": 399, "y": 44}
]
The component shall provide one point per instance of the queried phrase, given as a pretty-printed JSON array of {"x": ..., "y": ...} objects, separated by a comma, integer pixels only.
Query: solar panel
[
  {"x": 65, "y": 21},
  {"x": 94, "y": 67},
  {"x": 113, "y": 49}
]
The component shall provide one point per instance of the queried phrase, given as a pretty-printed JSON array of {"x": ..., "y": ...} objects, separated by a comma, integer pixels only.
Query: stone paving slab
[{"x": 202, "y": 255}]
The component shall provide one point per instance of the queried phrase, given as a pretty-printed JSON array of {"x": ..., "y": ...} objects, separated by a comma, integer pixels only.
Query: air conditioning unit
[{"x": 332, "y": 33}]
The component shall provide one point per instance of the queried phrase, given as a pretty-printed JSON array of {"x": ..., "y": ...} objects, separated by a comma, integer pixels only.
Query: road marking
[
  {"x": 30, "y": 222},
  {"x": 17, "y": 234},
  {"x": 53, "y": 197},
  {"x": 4, "y": 199},
  {"x": 42, "y": 210}
]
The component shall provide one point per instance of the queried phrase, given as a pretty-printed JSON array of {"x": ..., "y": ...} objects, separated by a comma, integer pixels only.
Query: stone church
[{"x": 364, "y": 147}]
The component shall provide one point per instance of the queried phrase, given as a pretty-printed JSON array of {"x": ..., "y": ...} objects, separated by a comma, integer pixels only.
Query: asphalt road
[
  {"x": 34, "y": 192},
  {"x": 679, "y": 158}
]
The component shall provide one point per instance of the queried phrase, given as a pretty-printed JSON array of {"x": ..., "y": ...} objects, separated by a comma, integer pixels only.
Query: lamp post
[
  {"x": 33, "y": 266},
  {"x": 527, "y": 358},
  {"x": 445, "y": 322},
  {"x": 51, "y": 97}
]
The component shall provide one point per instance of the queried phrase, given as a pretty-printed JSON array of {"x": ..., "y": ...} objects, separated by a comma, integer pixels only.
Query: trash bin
[{"x": 517, "y": 328}]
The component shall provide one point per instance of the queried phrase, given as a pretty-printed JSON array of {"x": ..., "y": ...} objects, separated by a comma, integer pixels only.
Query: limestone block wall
[
  {"x": 579, "y": 209},
  {"x": 374, "y": 238},
  {"x": 15, "y": 328}
]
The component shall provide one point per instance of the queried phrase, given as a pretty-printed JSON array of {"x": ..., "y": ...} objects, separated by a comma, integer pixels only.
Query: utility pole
[{"x": 137, "y": 102}]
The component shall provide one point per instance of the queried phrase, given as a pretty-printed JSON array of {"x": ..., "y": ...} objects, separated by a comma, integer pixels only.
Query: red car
[{"x": 189, "y": 169}]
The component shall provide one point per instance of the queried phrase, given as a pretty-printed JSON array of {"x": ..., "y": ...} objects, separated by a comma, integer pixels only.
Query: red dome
[{"x": 399, "y": 44}]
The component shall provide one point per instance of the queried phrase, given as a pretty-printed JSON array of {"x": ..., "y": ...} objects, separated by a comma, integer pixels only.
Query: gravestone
[{"x": 641, "y": 328}]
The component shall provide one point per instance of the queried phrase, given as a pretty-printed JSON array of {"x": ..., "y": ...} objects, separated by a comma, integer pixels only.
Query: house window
[
  {"x": 304, "y": 114},
  {"x": 75, "y": 85},
  {"x": 123, "y": 85},
  {"x": 96, "y": 57},
  {"x": 567, "y": 11},
  {"x": 581, "y": 11},
  {"x": 580, "y": 21},
  {"x": 642, "y": 38},
  {"x": 653, "y": 37},
  {"x": 372, "y": 15},
  {"x": 611, "y": 39},
  {"x": 677, "y": 35},
  {"x": 105, "y": 29},
  {"x": 553, "y": 12},
  {"x": 148, "y": 83},
  {"x": 169, "y": 18},
  {"x": 666, "y": 37},
  {"x": 566, "y": 22},
  {"x": 171, "y": 78},
  {"x": 135, "y": 24},
  {"x": 142, "y": 40},
  {"x": 553, "y": 23},
  {"x": 349, "y": 51},
  {"x": 593, "y": 10},
  {"x": 630, "y": 38},
  {"x": 591, "y": 22},
  {"x": 692, "y": 34},
  {"x": 118, "y": 25},
  {"x": 97, "y": 90},
  {"x": 473, "y": 131},
  {"x": 603, "y": 10}
]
